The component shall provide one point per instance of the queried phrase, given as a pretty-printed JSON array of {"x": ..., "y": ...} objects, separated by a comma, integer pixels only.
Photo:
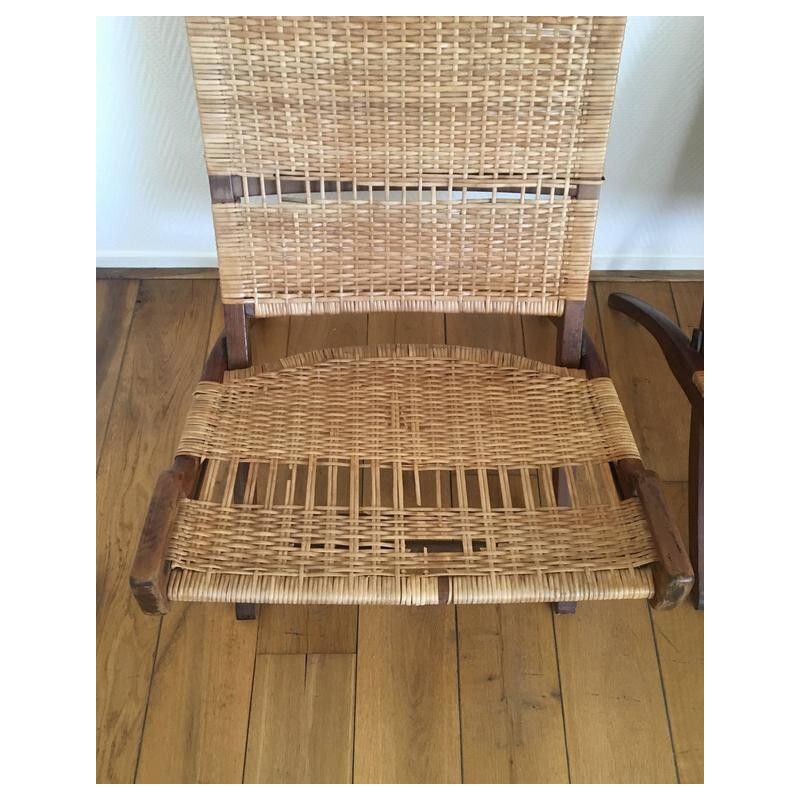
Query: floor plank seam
[
  {"x": 250, "y": 701},
  {"x": 561, "y": 696},
  {"x": 355, "y": 698},
  {"x": 458, "y": 687},
  {"x": 147, "y": 700},
  {"x": 664, "y": 696}
]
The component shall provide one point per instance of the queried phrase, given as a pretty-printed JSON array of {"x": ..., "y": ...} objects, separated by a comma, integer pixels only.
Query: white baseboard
[
  {"x": 148, "y": 260},
  {"x": 647, "y": 262}
]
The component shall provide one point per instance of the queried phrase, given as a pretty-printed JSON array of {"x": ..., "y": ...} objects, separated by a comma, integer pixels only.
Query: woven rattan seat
[
  {"x": 410, "y": 475},
  {"x": 399, "y": 164}
]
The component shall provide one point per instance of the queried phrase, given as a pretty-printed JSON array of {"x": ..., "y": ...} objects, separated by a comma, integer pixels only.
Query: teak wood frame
[
  {"x": 673, "y": 576},
  {"x": 684, "y": 357}
]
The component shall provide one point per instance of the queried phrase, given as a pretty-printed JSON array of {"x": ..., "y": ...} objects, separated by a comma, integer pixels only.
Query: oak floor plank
[
  {"x": 313, "y": 629},
  {"x": 407, "y": 727},
  {"x": 616, "y": 724},
  {"x": 196, "y": 725},
  {"x": 301, "y": 722},
  {"x": 296, "y": 629},
  {"x": 679, "y": 638},
  {"x": 656, "y": 408},
  {"x": 161, "y": 365},
  {"x": 115, "y": 301},
  {"x": 512, "y": 726},
  {"x": 501, "y": 332},
  {"x": 406, "y": 328}
]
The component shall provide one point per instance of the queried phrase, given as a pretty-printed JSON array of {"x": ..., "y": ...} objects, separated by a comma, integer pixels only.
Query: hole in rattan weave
[
  {"x": 442, "y": 545},
  {"x": 560, "y": 482},
  {"x": 268, "y": 191},
  {"x": 375, "y": 489}
]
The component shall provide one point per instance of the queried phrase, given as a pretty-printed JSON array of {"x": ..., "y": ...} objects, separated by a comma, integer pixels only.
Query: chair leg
[
  {"x": 564, "y": 607},
  {"x": 245, "y": 611},
  {"x": 696, "y": 506},
  {"x": 237, "y": 336}
]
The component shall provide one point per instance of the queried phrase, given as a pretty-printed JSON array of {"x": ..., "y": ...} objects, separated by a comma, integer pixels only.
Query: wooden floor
[{"x": 495, "y": 694}]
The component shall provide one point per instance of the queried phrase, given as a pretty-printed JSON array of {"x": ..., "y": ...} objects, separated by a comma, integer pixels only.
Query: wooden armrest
[
  {"x": 682, "y": 358},
  {"x": 149, "y": 573},
  {"x": 673, "y": 572},
  {"x": 150, "y": 570}
]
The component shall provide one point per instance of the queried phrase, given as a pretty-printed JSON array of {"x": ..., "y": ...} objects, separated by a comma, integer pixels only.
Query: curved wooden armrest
[
  {"x": 683, "y": 359},
  {"x": 149, "y": 572},
  {"x": 672, "y": 573}
]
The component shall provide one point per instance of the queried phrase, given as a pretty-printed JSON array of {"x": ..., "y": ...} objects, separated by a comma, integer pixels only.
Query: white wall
[{"x": 153, "y": 208}]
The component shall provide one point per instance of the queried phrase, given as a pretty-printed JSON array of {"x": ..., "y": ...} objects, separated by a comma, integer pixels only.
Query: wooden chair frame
[
  {"x": 684, "y": 356},
  {"x": 672, "y": 572}
]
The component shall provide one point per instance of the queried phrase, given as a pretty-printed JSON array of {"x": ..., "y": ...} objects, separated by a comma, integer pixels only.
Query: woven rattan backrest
[{"x": 405, "y": 163}]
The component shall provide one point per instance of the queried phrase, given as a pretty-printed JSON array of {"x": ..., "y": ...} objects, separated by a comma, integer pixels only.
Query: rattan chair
[
  {"x": 685, "y": 358},
  {"x": 388, "y": 165}
]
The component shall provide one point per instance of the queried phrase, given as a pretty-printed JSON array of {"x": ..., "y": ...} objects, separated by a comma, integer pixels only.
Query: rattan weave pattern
[
  {"x": 402, "y": 116},
  {"x": 366, "y": 475},
  {"x": 216, "y": 587},
  {"x": 390, "y": 256},
  {"x": 383, "y": 99},
  {"x": 415, "y": 405}
]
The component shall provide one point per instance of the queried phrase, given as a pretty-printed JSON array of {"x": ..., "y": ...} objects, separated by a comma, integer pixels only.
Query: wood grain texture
[
  {"x": 493, "y": 331},
  {"x": 679, "y": 637},
  {"x": 115, "y": 301},
  {"x": 237, "y": 336},
  {"x": 569, "y": 336},
  {"x": 310, "y": 629},
  {"x": 512, "y": 729},
  {"x": 407, "y": 328},
  {"x": 656, "y": 407},
  {"x": 160, "y": 368},
  {"x": 616, "y": 724},
  {"x": 301, "y": 722},
  {"x": 647, "y": 275},
  {"x": 196, "y": 727},
  {"x": 407, "y": 727},
  {"x": 697, "y": 505}
]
